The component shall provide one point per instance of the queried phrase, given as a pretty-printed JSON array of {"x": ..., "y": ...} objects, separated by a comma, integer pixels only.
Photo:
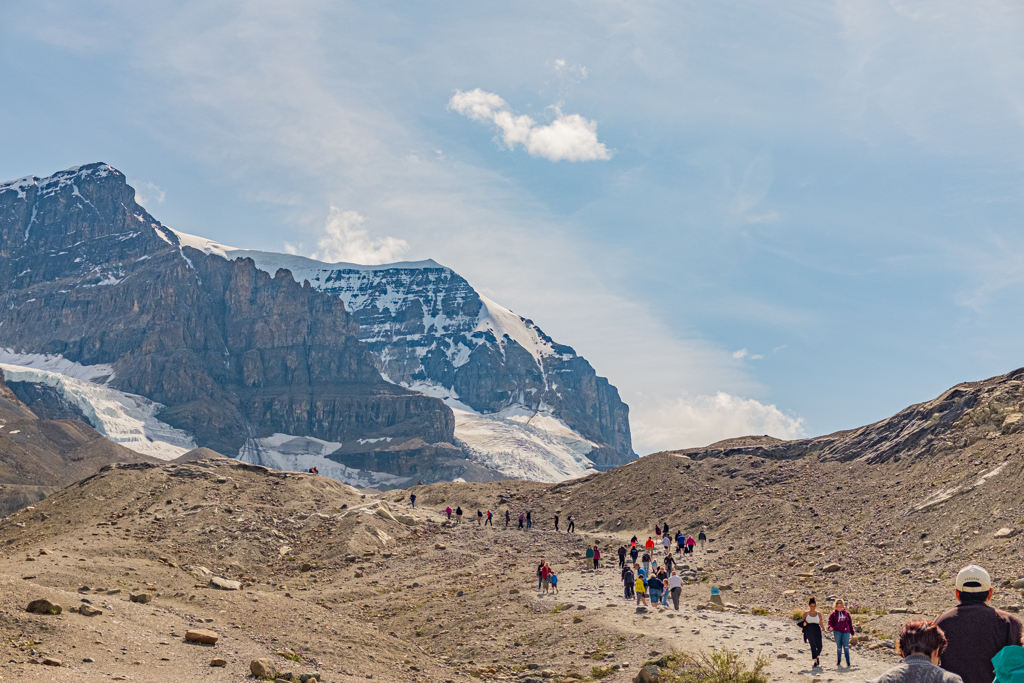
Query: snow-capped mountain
[
  {"x": 377, "y": 375},
  {"x": 524, "y": 404}
]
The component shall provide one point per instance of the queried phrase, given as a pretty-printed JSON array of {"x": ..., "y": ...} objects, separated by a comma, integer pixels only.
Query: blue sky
[{"x": 751, "y": 219}]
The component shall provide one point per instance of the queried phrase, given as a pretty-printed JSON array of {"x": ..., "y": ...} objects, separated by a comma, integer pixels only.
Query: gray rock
[
  {"x": 1006, "y": 532},
  {"x": 223, "y": 584},
  {"x": 141, "y": 597},
  {"x": 87, "y": 611},
  {"x": 832, "y": 567},
  {"x": 263, "y": 668}
]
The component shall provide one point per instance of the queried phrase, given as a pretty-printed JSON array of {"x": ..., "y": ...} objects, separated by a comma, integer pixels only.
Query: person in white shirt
[{"x": 675, "y": 586}]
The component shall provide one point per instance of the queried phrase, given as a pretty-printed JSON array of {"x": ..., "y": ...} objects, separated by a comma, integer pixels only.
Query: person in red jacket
[
  {"x": 597, "y": 556},
  {"x": 841, "y": 624},
  {"x": 649, "y": 544}
]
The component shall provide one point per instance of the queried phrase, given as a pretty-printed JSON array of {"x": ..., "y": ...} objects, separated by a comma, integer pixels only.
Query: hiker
[
  {"x": 657, "y": 530},
  {"x": 641, "y": 590},
  {"x": 590, "y": 552},
  {"x": 412, "y": 500},
  {"x": 920, "y": 643},
  {"x": 572, "y": 525},
  {"x": 663, "y": 575},
  {"x": 490, "y": 520},
  {"x": 975, "y": 631},
  {"x": 622, "y": 556},
  {"x": 702, "y": 537},
  {"x": 664, "y": 528},
  {"x": 540, "y": 573},
  {"x": 554, "y": 582},
  {"x": 669, "y": 561},
  {"x": 811, "y": 624},
  {"x": 529, "y": 519},
  {"x": 680, "y": 542},
  {"x": 628, "y": 577},
  {"x": 556, "y": 522},
  {"x": 633, "y": 553},
  {"x": 522, "y": 519},
  {"x": 545, "y": 576},
  {"x": 666, "y": 542},
  {"x": 633, "y": 541},
  {"x": 646, "y": 559},
  {"x": 675, "y": 586},
  {"x": 458, "y": 514},
  {"x": 689, "y": 545},
  {"x": 479, "y": 517},
  {"x": 840, "y": 623},
  {"x": 597, "y": 556},
  {"x": 655, "y": 586},
  {"x": 448, "y": 511},
  {"x": 508, "y": 518},
  {"x": 649, "y": 545}
]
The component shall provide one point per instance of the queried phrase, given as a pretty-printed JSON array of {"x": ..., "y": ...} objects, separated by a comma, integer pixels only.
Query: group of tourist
[
  {"x": 487, "y": 518},
  {"x": 971, "y": 643}
]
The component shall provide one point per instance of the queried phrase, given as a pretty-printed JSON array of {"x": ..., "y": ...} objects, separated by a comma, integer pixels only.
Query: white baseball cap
[{"x": 973, "y": 579}]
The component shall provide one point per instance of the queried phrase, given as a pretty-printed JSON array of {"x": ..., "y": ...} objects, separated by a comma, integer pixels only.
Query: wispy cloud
[
  {"x": 570, "y": 137},
  {"x": 150, "y": 194},
  {"x": 345, "y": 239}
]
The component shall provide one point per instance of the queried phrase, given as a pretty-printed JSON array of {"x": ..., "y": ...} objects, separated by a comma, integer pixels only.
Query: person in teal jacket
[{"x": 1009, "y": 664}]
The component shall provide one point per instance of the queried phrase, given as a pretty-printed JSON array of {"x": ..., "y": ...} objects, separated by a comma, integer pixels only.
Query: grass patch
[
  {"x": 797, "y": 615},
  {"x": 598, "y": 656},
  {"x": 760, "y": 611},
  {"x": 721, "y": 666},
  {"x": 559, "y": 608},
  {"x": 880, "y": 612},
  {"x": 599, "y": 672}
]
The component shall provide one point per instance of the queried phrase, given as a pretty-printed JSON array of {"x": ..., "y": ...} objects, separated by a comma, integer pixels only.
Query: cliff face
[{"x": 232, "y": 352}]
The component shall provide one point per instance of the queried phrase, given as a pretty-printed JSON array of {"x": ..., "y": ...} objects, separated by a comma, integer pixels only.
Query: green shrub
[
  {"x": 599, "y": 672},
  {"x": 797, "y": 615},
  {"x": 760, "y": 611},
  {"x": 720, "y": 666}
]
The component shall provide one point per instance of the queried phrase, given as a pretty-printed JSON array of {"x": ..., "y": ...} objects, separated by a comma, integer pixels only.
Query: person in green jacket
[{"x": 1009, "y": 664}]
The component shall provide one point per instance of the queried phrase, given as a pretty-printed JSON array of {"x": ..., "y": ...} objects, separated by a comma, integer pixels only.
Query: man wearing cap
[{"x": 975, "y": 630}]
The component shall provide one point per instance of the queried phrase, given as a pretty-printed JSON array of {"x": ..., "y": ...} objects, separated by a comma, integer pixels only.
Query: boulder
[
  {"x": 831, "y": 567},
  {"x": 648, "y": 674},
  {"x": 263, "y": 668},
  {"x": 87, "y": 611},
  {"x": 201, "y": 635},
  {"x": 50, "y": 661},
  {"x": 43, "y": 607},
  {"x": 217, "y": 661},
  {"x": 1006, "y": 532},
  {"x": 223, "y": 584},
  {"x": 1019, "y": 583},
  {"x": 141, "y": 597}
]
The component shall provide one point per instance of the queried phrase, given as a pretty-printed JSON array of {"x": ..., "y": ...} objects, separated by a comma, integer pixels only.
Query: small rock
[
  {"x": 904, "y": 572},
  {"x": 1019, "y": 583},
  {"x": 89, "y": 660},
  {"x": 439, "y": 546},
  {"x": 263, "y": 668},
  {"x": 43, "y": 607},
  {"x": 832, "y": 567},
  {"x": 225, "y": 584},
  {"x": 533, "y": 667},
  {"x": 49, "y": 661},
  {"x": 140, "y": 597},
  {"x": 1006, "y": 532},
  {"x": 305, "y": 567},
  {"x": 87, "y": 611},
  {"x": 44, "y": 551},
  {"x": 84, "y": 589},
  {"x": 201, "y": 635},
  {"x": 216, "y": 661}
]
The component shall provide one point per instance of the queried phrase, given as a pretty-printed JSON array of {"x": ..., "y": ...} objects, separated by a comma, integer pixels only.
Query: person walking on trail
[
  {"x": 540, "y": 574},
  {"x": 641, "y": 590},
  {"x": 840, "y": 623},
  {"x": 633, "y": 541},
  {"x": 649, "y": 545},
  {"x": 554, "y": 582},
  {"x": 811, "y": 624},
  {"x": 680, "y": 542},
  {"x": 412, "y": 500},
  {"x": 655, "y": 586},
  {"x": 448, "y": 511},
  {"x": 975, "y": 630},
  {"x": 920, "y": 643},
  {"x": 590, "y": 552},
  {"x": 522, "y": 520},
  {"x": 508, "y": 518},
  {"x": 556, "y": 522},
  {"x": 622, "y": 556},
  {"x": 529, "y": 519},
  {"x": 646, "y": 559},
  {"x": 689, "y": 545},
  {"x": 458, "y": 514},
  {"x": 669, "y": 561},
  {"x": 666, "y": 543},
  {"x": 572, "y": 525},
  {"x": 545, "y": 575},
  {"x": 703, "y": 538},
  {"x": 664, "y": 528},
  {"x": 633, "y": 553},
  {"x": 490, "y": 521},
  {"x": 675, "y": 587},
  {"x": 628, "y": 579},
  {"x": 657, "y": 530},
  {"x": 479, "y": 518},
  {"x": 597, "y": 557}
]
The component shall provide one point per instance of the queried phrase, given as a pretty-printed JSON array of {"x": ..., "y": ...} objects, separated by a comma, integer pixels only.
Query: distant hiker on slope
[
  {"x": 522, "y": 520},
  {"x": 572, "y": 525},
  {"x": 556, "y": 522},
  {"x": 458, "y": 514},
  {"x": 675, "y": 585},
  {"x": 597, "y": 556},
  {"x": 590, "y": 552},
  {"x": 975, "y": 630},
  {"x": 448, "y": 511},
  {"x": 622, "y": 556},
  {"x": 680, "y": 542},
  {"x": 546, "y": 576},
  {"x": 920, "y": 643},
  {"x": 479, "y": 517},
  {"x": 646, "y": 559},
  {"x": 811, "y": 625},
  {"x": 529, "y": 519},
  {"x": 702, "y": 537},
  {"x": 689, "y": 545},
  {"x": 628, "y": 577},
  {"x": 412, "y": 500},
  {"x": 657, "y": 530},
  {"x": 554, "y": 582},
  {"x": 666, "y": 543},
  {"x": 633, "y": 541},
  {"x": 508, "y": 518},
  {"x": 649, "y": 544},
  {"x": 490, "y": 520},
  {"x": 540, "y": 574},
  {"x": 633, "y": 553}
]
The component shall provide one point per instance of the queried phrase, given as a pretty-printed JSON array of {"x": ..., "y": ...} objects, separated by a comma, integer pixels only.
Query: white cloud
[
  {"x": 346, "y": 240},
  {"x": 152, "y": 193},
  {"x": 686, "y": 422},
  {"x": 742, "y": 353},
  {"x": 569, "y": 137},
  {"x": 572, "y": 72}
]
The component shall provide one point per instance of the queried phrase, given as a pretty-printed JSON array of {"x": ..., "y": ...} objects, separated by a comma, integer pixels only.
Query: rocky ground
[{"x": 354, "y": 585}]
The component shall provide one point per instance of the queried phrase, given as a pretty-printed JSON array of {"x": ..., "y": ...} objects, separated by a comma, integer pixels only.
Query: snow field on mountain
[{"x": 125, "y": 419}]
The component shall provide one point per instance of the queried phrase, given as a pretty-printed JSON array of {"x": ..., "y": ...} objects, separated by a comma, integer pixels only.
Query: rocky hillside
[
  {"x": 226, "y": 354},
  {"x": 39, "y": 456}
]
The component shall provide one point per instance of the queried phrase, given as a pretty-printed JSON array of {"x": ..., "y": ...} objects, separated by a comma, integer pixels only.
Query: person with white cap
[{"x": 976, "y": 631}]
